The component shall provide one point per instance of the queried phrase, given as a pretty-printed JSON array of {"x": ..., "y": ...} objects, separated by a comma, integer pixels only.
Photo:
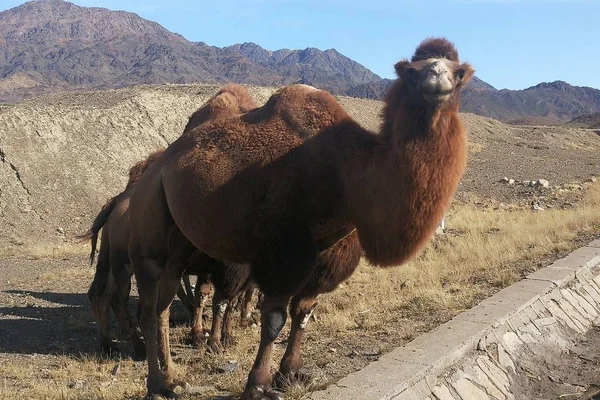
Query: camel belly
[{"x": 219, "y": 218}]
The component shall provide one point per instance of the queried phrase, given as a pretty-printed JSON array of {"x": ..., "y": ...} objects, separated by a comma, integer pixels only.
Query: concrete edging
[{"x": 472, "y": 356}]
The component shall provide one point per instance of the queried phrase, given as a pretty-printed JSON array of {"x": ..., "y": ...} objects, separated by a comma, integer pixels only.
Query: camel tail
[{"x": 99, "y": 222}]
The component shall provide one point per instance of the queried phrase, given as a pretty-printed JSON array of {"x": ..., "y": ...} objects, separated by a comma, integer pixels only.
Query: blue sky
[{"x": 512, "y": 44}]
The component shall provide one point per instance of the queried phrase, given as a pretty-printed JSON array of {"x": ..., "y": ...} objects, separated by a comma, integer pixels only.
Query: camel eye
[{"x": 460, "y": 74}]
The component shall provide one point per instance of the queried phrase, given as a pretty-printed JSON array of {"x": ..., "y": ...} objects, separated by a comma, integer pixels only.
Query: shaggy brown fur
[
  {"x": 112, "y": 281},
  {"x": 267, "y": 187},
  {"x": 138, "y": 169},
  {"x": 230, "y": 99}
]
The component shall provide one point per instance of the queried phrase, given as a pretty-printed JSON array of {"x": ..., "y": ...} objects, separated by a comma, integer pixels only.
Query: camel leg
[
  {"x": 202, "y": 293},
  {"x": 189, "y": 289},
  {"x": 148, "y": 272},
  {"x": 219, "y": 307},
  {"x": 100, "y": 304},
  {"x": 259, "y": 300},
  {"x": 282, "y": 269},
  {"x": 99, "y": 296},
  {"x": 273, "y": 317},
  {"x": 227, "y": 339},
  {"x": 122, "y": 274},
  {"x": 170, "y": 281},
  {"x": 184, "y": 292},
  {"x": 301, "y": 309},
  {"x": 246, "y": 314}
]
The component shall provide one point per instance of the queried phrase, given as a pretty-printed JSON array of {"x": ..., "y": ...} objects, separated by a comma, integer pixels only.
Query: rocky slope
[{"x": 63, "y": 155}]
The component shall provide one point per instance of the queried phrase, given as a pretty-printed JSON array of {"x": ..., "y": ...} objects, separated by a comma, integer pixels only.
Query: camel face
[{"x": 433, "y": 81}]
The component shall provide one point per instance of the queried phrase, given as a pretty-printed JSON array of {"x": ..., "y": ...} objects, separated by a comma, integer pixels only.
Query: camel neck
[{"x": 400, "y": 182}]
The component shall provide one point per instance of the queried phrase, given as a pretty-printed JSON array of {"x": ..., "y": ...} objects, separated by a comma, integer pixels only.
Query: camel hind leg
[
  {"x": 246, "y": 309},
  {"x": 227, "y": 339},
  {"x": 219, "y": 307},
  {"x": 122, "y": 273},
  {"x": 179, "y": 254},
  {"x": 99, "y": 296},
  {"x": 202, "y": 293},
  {"x": 149, "y": 225}
]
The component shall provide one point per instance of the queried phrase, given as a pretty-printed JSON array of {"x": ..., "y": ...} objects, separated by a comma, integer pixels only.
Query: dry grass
[
  {"x": 486, "y": 248},
  {"x": 67, "y": 377},
  {"x": 475, "y": 147},
  {"x": 45, "y": 250}
]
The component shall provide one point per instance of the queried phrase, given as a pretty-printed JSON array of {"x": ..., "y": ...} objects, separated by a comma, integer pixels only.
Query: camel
[
  {"x": 112, "y": 282},
  {"x": 270, "y": 186},
  {"x": 111, "y": 285}
]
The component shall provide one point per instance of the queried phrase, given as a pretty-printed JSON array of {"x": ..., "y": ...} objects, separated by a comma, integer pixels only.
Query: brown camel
[
  {"x": 112, "y": 281},
  {"x": 269, "y": 187}
]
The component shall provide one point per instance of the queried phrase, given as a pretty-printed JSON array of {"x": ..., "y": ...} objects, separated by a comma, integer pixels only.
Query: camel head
[{"x": 434, "y": 75}]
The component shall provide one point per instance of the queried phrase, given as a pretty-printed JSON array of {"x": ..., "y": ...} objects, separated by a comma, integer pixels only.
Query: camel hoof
[
  {"x": 258, "y": 393},
  {"x": 214, "y": 346},
  {"x": 228, "y": 341}
]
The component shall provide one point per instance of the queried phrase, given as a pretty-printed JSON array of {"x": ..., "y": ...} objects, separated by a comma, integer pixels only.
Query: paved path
[{"x": 473, "y": 356}]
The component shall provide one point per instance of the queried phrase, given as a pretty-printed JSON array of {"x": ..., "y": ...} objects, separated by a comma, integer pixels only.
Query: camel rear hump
[{"x": 231, "y": 99}]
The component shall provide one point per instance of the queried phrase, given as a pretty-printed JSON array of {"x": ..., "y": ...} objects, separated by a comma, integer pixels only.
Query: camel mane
[{"x": 435, "y": 48}]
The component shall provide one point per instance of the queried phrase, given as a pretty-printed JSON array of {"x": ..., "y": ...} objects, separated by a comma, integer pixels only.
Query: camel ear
[
  {"x": 464, "y": 73},
  {"x": 405, "y": 71}
]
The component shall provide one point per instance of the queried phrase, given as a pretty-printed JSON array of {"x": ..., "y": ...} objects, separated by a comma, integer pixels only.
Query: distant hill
[
  {"x": 586, "y": 121},
  {"x": 548, "y": 103},
  {"x": 54, "y": 45}
]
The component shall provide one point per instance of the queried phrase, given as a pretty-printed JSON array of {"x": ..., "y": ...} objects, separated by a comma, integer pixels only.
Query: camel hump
[
  {"x": 300, "y": 101},
  {"x": 303, "y": 86},
  {"x": 236, "y": 96},
  {"x": 231, "y": 99}
]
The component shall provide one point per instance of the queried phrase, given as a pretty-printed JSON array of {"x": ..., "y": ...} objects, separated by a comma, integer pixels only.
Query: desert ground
[{"x": 529, "y": 196}]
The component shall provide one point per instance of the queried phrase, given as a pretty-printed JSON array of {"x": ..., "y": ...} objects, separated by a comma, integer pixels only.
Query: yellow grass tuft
[{"x": 45, "y": 250}]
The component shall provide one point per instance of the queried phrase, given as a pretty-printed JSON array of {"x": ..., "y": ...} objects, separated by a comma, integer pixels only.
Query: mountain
[
  {"x": 546, "y": 103},
  {"x": 54, "y": 45}
]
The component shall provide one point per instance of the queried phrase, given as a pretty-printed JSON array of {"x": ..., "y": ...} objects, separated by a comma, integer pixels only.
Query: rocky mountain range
[{"x": 54, "y": 45}]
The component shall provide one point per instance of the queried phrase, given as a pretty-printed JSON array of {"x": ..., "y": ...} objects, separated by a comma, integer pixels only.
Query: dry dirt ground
[
  {"x": 570, "y": 375},
  {"x": 47, "y": 333},
  {"x": 48, "y": 343}
]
